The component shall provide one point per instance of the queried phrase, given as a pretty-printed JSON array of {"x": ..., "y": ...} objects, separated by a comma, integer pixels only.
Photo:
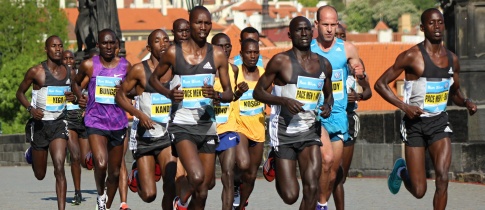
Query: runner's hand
[
  {"x": 326, "y": 110},
  {"x": 70, "y": 96},
  {"x": 242, "y": 87},
  {"x": 358, "y": 70},
  {"x": 352, "y": 96},
  {"x": 293, "y": 106},
  {"x": 472, "y": 107},
  {"x": 176, "y": 95},
  {"x": 83, "y": 101},
  {"x": 208, "y": 91},
  {"x": 412, "y": 111},
  {"x": 145, "y": 121},
  {"x": 37, "y": 114}
]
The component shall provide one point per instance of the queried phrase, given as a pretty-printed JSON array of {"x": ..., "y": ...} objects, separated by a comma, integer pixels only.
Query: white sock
[
  {"x": 399, "y": 171},
  {"x": 319, "y": 204}
]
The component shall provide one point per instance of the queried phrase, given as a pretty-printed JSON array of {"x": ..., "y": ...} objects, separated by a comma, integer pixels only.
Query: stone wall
[{"x": 377, "y": 147}]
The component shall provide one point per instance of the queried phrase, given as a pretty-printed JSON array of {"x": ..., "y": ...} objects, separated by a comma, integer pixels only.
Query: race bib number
[
  {"x": 436, "y": 96},
  {"x": 160, "y": 106},
  {"x": 338, "y": 84},
  {"x": 308, "y": 91},
  {"x": 105, "y": 89},
  {"x": 248, "y": 106},
  {"x": 222, "y": 112},
  {"x": 192, "y": 88},
  {"x": 56, "y": 100}
]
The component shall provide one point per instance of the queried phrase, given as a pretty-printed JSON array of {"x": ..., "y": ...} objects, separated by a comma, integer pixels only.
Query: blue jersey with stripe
[{"x": 338, "y": 59}]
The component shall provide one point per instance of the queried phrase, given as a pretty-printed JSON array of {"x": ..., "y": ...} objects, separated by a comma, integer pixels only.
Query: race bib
[
  {"x": 248, "y": 106},
  {"x": 222, "y": 112},
  {"x": 71, "y": 106},
  {"x": 105, "y": 89},
  {"x": 308, "y": 91},
  {"x": 436, "y": 96},
  {"x": 192, "y": 88},
  {"x": 338, "y": 84},
  {"x": 160, "y": 106},
  {"x": 56, "y": 100}
]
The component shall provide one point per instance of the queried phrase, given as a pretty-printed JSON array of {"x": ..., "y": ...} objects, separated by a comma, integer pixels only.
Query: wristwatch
[
  {"x": 29, "y": 108},
  {"x": 362, "y": 78}
]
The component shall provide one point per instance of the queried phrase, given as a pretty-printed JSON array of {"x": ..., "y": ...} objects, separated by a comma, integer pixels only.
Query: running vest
[
  {"x": 50, "y": 97},
  {"x": 154, "y": 105},
  {"x": 338, "y": 59},
  {"x": 194, "y": 109},
  {"x": 250, "y": 113},
  {"x": 102, "y": 111},
  {"x": 430, "y": 91},
  {"x": 286, "y": 128},
  {"x": 225, "y": 115}
]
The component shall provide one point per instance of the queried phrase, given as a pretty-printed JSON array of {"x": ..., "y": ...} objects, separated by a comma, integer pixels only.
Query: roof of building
[
  {"x": 248, "y": 5},
  {"x": 381, "y": 26},
  {"x": 135, "y": 51}
]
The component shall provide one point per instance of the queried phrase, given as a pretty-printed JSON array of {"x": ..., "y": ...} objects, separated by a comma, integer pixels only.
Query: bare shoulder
[{"x": 411, "y": 54}]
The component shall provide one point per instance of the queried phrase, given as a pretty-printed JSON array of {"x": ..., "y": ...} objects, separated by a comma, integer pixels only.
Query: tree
[
  {"x": 308, "y": 3},
  {"x": 390, "y": 13},
  {"x": 422, "y": 5},
  {"x": 358, "y": 16},
  {"x": 24, "y": 27}
]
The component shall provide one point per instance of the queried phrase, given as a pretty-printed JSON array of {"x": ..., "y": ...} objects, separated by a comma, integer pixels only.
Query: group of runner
[{"x": 192, "y": 104}]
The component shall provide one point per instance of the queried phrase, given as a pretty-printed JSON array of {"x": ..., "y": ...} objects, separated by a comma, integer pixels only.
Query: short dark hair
[
  {"x": 249, "y": 30},
  {"x": 219, "y": 35},
  {"x": 248, "y": 41},
  {"x": 51, "y": 37},
  {"x": 323, "y": 7},
  {"x": 428, "y": 11},
  {"x": 107, "y": 30},
  {"x": 199, "y": 7}
]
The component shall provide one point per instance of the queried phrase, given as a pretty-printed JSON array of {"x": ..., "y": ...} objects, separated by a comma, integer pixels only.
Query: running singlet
[
  {"x": 250, "y": 113},
  {"x": 154, "y": 105},
  {"x": 225, "y": 115},
  {"x": 101, "y": 111},
  {"x": 194, "y": 109},
  {"x": 50, "y": 97},
  {"x": 338, "y": 59},
  {"x": 430, "y": 91},
  {"x": 286, "y": 128}
]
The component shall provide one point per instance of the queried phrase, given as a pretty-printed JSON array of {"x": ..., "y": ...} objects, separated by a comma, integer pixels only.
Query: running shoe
[
  {"x": 394, "y": 181},
  {"x": 28, "y": 155},
  {"x": 88, "y": 160},
  {"x": 124, "y": 206},
  {"x": 101, "y": 202},
  {"x": 268, "y": 167},
  {"x": 237, "y": 196},
  {"x": 176, "y": 204},
  {"x": 77, "y": 198},
  {"x": 132, "y": 178}
]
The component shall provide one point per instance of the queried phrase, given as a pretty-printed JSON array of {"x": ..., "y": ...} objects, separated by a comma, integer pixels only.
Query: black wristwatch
[
  {"x": 29, "y": 108},
  {"x": 362, "y": 78}
]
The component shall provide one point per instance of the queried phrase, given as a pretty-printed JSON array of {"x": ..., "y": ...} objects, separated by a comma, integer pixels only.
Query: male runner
[
  {"x": 299, "y": 77},
  {"x": 180, "y": 30},
  {"x": 226, "y": 128},
  {"x": 47, "y": 128},
  {"x": 334, "y": 129},
  {"x": 354, "y": 124},
  {"x": 153, "y": 141},
  {"x": 248, "y": 33},
  {"x": 431, "y": 77},
  {"x": 192, "y": 127},
  {"x": 106, "y": 123},
  {"x": 77, "y": 144},
  {"x": 250, "y": 119}
]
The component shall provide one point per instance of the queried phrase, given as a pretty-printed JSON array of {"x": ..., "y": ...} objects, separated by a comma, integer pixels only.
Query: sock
[
  {"x": 399, "y": 171},
  {"x": 123, "y": 204},
  {"x": 321, "y": 205}
]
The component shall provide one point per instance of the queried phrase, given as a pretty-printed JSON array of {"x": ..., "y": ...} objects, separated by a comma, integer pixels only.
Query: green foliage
[
  {"x": 358, "y": 16},
  {"x": 363, "y": 15},
  {"x": 338, "y": 4},
  {"x": 308, "y": 3},
  {"x": 24, "y": 27},
  {"x": 422, "y": 5}
]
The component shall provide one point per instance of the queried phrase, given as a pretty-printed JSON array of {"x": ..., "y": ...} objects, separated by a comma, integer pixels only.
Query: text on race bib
[
  {"x": 160, "y": 108},
  {"x": 338, "y": 84},
  {"x": 308, "y": 91},
  {"x": 222, "y": 112},
  {"x": 192, "y": 88},
  {"x": 436, "y": 96},
  {"x": 56, "y": 100},
  {"x": 105, "y": 89},
  {"x": 248, "y": 106}
]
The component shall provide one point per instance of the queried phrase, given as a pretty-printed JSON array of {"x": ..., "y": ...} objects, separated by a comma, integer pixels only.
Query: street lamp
[{"x": 192, "y": 3}]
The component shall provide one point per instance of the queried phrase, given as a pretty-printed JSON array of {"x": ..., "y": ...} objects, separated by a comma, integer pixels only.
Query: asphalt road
[{"x": 20, "y": 190}]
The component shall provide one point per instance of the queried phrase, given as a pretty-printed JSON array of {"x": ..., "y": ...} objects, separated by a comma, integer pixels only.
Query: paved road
[{"x": 20, "y": 190}]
